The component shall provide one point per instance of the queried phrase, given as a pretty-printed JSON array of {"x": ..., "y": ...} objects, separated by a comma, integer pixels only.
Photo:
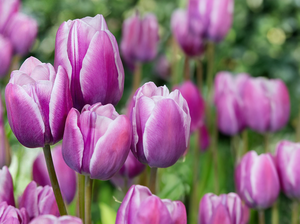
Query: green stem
[
  {"x": 275, "y": 214},
  {"x": 206, "y": 174},
  {"x": 88, "y": 199},
  {"x": 137, "y": 76},
  {"x": 267, "y": 142},
  {"x": 295, "y": 213},
  {"x": 261, "y": 216},
  {"x": 174, "y": 77},
  {"x": 81, "y": 189},
  {"x": 245, "y": 142},
  {"x": 125, "y": 185},
  {"x": 199, "y": 73},
  {"x": 214, "y": 145},
  {"x": 186, "y": 68},
  {"x": 210, "y": 65},
  {"x": 152, "y": 183},
  {"x": 54, "y": 182}
]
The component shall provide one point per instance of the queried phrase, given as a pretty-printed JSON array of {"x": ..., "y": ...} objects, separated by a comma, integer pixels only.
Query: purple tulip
[
  {"x": 203, "y": 137},
  {"x": 228, "y": 98},
  {"x": 132, "y": 167},
  {"x": 161, "y": 125},
  {"x": 210, "y": 18},
  {"x": 246, "y": 214},
  {"x": 11, "y": 215},
  {"x": 38, "y": 101},
  {"x": 7, "y": 9},
  {"x": 97, "y": 141},
  {"x": 195, "y": 102},
  {"x": 225, "y": 209},
  {"x": 141, "y": 206},
  {"x": 5, "y": 55},
  {"x": 257, "y": 181},
  {"x": 65, "y": 175},
  {"x": 50, "y": 219},
  {"x": 287, "y": 159},
  {"x": 191, "y": 44},
  {"x": 22, "y": 31},
  {"x": 267, "y": 104},
  {"x": 38, "y": 201},
  {"x": 139, "y": 38},
  {"x": 6, "y": 186},
  {"x": 89, "y": 52},
  {"x": 163, "y": 67}
]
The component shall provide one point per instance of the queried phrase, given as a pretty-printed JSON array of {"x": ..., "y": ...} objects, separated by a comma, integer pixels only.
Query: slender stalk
[
  {"x": 174, "y": 62},
  {"x": 261, "y": 216},
  {"x": 143, "y": 180},
  {"x": 54, "y": 182},
  {"x": 206, "y": 174},
  {"x": 81, "y": 189},
  {"x": 214, "y": 145},
  {"x": 125, "y": 185},
  {"x": 295, "y": 213},
  {"x": 199, "y": 73},
  {"x": 298, "y": 128},
  {"x": 275, "y": 214},
  {"x": 267, "y": 142},
  {"x": 137, "y": 76},
  {"x": 187, "y": 68},
  {"x": 210, "y": 64},
  {"x": 152, "y": 182},
  {"x": 88, "y": 199},
  {"x": 245, "y": 142}
]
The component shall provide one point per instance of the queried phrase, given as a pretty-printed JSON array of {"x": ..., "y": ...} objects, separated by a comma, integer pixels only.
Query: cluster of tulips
[{"x": 74, "y": 101}]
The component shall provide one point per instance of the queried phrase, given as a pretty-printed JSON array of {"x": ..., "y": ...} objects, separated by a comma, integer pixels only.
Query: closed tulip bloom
[
  {"x": 6, "y": 186},
  {"x": 38, "y": 101},
  {"x": 190, "y": 43},
  {"x": 141, "y": 206},
  {"x": 257, "y": 181},
  {"x": 225, "y": 209},
  {"x": 161, "y": 125},
  {"x": 211, "y": 18},
  {"x": 50, "y": 219},
  {"x": 287, "y": 161},
  {"x": 10, "y": 214},
  {"x": 7, "y": 9},
  {"x": 5, "y": 55},
  {"x": 229, "y": 102},
  {"x": 203, "y": 137},
  {"x": 22, "y": 31},
  {"x": 163, "y": 67},
  {"x": 65, "y": 175},
  {"x": 132, "y": 167},
  {"x": 89, "y": 52},
  {"x": 267, "y": 104},
  {"x": 139, "y": 38},
  {"x": 38, "y": 201},
  {"x": 195, "y": 102},
  {"x": 97, "y": 141}
]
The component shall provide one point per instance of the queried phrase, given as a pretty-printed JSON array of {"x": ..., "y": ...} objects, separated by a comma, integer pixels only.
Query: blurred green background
[{"x": 264, "y": 41}]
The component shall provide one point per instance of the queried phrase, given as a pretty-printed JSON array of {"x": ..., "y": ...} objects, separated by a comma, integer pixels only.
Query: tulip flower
[
  {"x": 89, "y": 52},
  {"x": 210, "y": 18},
  {"x": 141, "y": 206},
  {"x": 163, "y": 67},
  {"x": 65, "y": 175},
  {"x": 229, "y": 101},
  {"x": 132, "y": 167},
  {"x": 50, "y": 219},
  {"x": 22, "y": 31},
  {"x": 139, "y": 38},
  {"x": 225, "y": 209},
  {"x": 38, "y": 201},
  {"x": 287, "y": 159},
  {"x": 6, "y": 186},
  {"x": 266, "y": 104},
  {"x": 7, "y": 9},
  {"x": 38, "y": 101},
  {"x": 97, "y": 141},
  {"x": 195, "y": 102},
  {"x": 5, "y": 55},
  {"x": 161, "y": 125},
  {"x": 191, "y": 44},
  {"x": 9, "y": 214},
  {"x": 203, "y": 137},
  {"x": 257, "y": 181}
]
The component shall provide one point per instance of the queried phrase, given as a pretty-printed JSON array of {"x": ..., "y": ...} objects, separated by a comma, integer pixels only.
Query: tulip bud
[
  {"x": 7, "y": 9},
  {"x": 161, "y": 125},
  {"x": 257, "y": 181},
  {"x": 38, "y": 101},
  {"x": 210, "y": 18},
  {"x": 163, "y": 67},
  {"x": 50, "y": 219},
  {"x": 38, "y": 201},
  {"x": 139, "y": 38},
  {"x": 93, "y": 136},
  {"x": 225, "y": 209},
  {"x": 267, "y": 104},
  {"x": 65, "y": 175},
  {"x": 287, "y": 159},
  {"x": 132, "y": 167},
  {"x": 191, "y": 44},
  {"x": 228, "y": 98},
  {"x": 9, "y": 214},
  {"x": 89, "y": 52},
  {"x": 22, "y": 31},
  {"x": 195, "y": 102},
  {"x": 141, "y": 206},
  {"x": 6, "y": 186},
  {"x": 5, "y": 55},
  {"x": 203, "y": 137}
]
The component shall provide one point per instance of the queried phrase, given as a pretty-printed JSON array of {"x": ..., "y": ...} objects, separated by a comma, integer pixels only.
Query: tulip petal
[
  {"x": 6, "y": 187},
  {"x": 29, "y": 64},
  {"x": 97, "y": 22},
  {"x": 220, "y": 215},
  {"x": 177, "y": 211},
  {"x": 29, "y": 200}
]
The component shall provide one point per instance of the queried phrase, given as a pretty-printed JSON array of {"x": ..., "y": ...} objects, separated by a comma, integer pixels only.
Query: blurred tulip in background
[{"x": 7, "y": 187}]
